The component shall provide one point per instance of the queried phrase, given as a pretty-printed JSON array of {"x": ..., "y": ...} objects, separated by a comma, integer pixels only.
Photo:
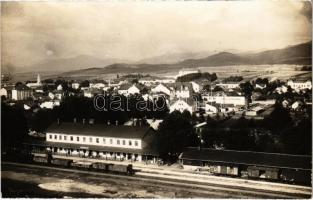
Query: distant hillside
[
  {"x": 68, "y": 64},
  {"x": 174, "y": 57},
  {"x": 297, "y": 54},
  {"x": 220, "y": 59}
]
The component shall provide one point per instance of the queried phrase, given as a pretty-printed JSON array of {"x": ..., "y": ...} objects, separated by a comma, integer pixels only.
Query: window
[
  {"x": 65, "y": 138},
  {"x": 84, "y": 139},
  {"x": 111, "y": 141},
  {"x": 77, "y": 139},
  {"x": 103, "y": 140},
  {"x": 136, "y": 143},
  {"x": 55, "y": 137},
  {"x": 90, "y": 139},
  {"x": 129, "y": 142},
  {"x": 50, "y": 136},
  {"x": 124, "y": 142},
  {"x": 97, "y": 140},
  {"x": 60, "y": 137},
  {"x": 71, "y": 138},
  {"x": 118, "y": 142}
]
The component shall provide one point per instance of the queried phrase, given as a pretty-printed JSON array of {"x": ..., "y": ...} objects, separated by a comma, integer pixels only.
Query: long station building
[{"x": 132, "y": 143}]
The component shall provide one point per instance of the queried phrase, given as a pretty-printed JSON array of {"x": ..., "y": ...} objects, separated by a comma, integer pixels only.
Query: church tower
[{"x": 38, "y": 79}]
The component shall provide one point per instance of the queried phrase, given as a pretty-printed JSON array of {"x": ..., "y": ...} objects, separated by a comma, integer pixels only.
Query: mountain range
[
  {"x": 88, "y": 65},
  {"x": 297, "y": 54}
]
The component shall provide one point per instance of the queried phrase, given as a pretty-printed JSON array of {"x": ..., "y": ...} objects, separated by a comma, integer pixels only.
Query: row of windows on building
[{"x": 91, "y": 140}]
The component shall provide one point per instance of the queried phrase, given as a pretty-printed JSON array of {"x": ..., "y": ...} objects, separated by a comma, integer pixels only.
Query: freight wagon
[
  {"x": 61, "y": 162},
  {"x": 224, "y": 170},
  {"x": 108, "y": 167},
  {"x": 40, "y": 159},
  {"x": 128, "y": 169},
  {"x": 82, "y": 165},
  {"x": 247, "y": 164}
]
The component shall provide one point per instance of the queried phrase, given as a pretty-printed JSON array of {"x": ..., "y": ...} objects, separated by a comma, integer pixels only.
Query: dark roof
[
  {"x": 22, "y": 87},
  {"x": 125, "y": 86},
  {"x": 98, "y": 130},
  {"x": 249, "y": 158}
]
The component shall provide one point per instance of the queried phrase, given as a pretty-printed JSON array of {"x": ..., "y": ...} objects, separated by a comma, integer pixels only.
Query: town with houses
[
  {"x": 219, "y": 97},
  {"x": 152, "y": 99},
  {"x": 205, "y": 101}
]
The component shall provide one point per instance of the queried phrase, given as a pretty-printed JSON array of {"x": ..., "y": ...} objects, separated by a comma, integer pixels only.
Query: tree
[
  {"x": 261, "y": 81},
  {"x": 197, "y": 76},
  {"x": 14, "y": 127},
  {"x": 246, "y": 88},
  {"x": 18, "y": 84},
  {"x": 217, "y": 89},
  {"x": 42, "y": 120},
  {"x": 233, "y": 79},
  {"x": 134, "y": 81},
  {"x": 278, "y": 120},
  {"x": 85, "y": 83},
  {"x": 174, "y": 134},
  {"x": 298, "y": 140}
]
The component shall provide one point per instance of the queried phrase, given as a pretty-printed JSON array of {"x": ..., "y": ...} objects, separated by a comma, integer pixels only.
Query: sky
[{"x": 34, "y": 31}]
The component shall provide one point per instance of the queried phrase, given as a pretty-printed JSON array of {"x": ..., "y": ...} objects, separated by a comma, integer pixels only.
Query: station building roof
[
  {"x": 249, "y": 158},
  {"x": 101, "y": 130}
]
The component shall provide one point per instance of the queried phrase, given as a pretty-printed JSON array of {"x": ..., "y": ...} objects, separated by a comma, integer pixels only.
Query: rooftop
[
  {"x": 249, "y": 158},
  {"x": 138, "y": 132}
]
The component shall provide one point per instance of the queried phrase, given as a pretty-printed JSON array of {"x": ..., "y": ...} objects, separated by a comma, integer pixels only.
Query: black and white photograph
[{"x": 156, "y": 99}]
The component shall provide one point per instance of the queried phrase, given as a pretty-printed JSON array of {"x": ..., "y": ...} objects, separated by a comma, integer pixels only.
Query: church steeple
[{"x": 38, "y": 79}]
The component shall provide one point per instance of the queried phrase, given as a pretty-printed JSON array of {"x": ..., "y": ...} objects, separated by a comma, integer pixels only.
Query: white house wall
[{"x": 103, "y": 141}]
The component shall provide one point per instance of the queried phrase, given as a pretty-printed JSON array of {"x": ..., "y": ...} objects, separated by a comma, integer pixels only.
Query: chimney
[
  {"x": 75, "y": 120},
  {"x": 84, "y": 121},
  {"x": 108, "y": 122},
  {"x": 116, "y": 122}
]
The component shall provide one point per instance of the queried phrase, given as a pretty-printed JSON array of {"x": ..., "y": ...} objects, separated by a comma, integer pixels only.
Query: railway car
[
  {"x": 263, "y": 173},
  {"x": 40, "y": 159},
  {"x": 101, "y": 166},
  {"x": 81, "y": 165},
  {"x": 224, "y": 170},
  {"x": 125, "y": 169},
  {"x": 61, "y": 162}
]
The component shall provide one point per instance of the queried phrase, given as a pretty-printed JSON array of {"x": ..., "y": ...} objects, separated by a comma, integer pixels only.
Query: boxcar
[
  {"x": 40, "y": 159},
  {"x": 101, "y": 166},
  {"x": 61, "y": 162},
  {"x": 224, "y": 170},
  {"x": 263, "y": 172},
  {"x": 125, "y": 169},
  {"x": 81, "y": 165}
]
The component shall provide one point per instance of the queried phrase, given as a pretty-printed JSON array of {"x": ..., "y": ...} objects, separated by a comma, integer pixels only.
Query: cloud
[
  {"x": 35, "y": 31},
  {"x": 307, "y": 10}
]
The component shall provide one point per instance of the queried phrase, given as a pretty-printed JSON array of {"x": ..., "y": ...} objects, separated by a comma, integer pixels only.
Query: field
[{"x": 249, "y": 72}]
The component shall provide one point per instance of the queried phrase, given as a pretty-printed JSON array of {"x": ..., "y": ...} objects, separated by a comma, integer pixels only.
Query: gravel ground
[{"x": 43, "y": 183}]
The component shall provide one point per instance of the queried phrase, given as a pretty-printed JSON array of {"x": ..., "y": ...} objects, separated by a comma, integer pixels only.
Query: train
[
  {"x": 264, "y": 173},
  {"x": 85, "y": 165}
]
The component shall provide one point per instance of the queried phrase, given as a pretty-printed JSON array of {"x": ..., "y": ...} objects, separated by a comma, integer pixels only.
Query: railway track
[{"x": 194, "y": 187}]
